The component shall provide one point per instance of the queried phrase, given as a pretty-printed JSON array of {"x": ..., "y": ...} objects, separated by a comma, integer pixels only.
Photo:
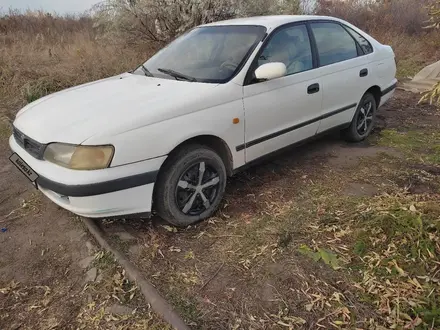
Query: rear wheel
[
  {"x": 191, "y": 185},
  {"x": 363, "y": 121}
]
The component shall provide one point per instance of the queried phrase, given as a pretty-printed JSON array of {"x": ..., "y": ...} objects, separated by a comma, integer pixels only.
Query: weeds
[
  {"x": 104, "y": 260},
  {"x": 39, "y": 89},
  {"x": 415, "y": 144},
  {"x": 408, "y": 67},
  {"x": 120, "y": 244},
  {"x": 186, "y": 307},
  {"x": 44, "y": 61},
  {"x": 396, "y": 250}
]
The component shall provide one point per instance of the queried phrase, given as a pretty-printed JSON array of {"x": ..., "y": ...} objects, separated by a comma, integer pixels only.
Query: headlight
[{"x": 79, "y": 157}]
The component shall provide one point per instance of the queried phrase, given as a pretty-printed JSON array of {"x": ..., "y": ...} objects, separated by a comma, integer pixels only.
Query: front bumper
[
  {"x": 136, "y": 200},
  {"x": 115, "y": 191}
]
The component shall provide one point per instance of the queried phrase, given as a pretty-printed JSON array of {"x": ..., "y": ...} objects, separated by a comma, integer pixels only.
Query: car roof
[{"x": 270, "y": 22}]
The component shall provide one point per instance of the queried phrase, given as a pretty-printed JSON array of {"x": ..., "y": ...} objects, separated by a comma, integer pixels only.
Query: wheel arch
[
  {"x": 211, "y": 141},
  {"x": 376, "y": 92}
]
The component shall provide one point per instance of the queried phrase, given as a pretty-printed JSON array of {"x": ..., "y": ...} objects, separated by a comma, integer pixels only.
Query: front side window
[
  {"x": 291, "y": 46},
  {"x": 210, "y": 54},
  {"x": 334, "y": 43},
  {"x": 364, "y": 43}
]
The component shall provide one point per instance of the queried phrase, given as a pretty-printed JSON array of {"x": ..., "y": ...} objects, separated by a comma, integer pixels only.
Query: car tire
[
  {"x": 363, "y": 121},
  {"x": 183, "y": 196}
]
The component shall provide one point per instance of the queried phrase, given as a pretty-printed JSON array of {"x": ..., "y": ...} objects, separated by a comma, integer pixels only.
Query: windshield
[{"x": 212, "y": 54}]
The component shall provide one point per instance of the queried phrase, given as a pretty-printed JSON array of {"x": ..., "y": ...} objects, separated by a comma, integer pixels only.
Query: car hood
[{"x": 116, "y": 104}]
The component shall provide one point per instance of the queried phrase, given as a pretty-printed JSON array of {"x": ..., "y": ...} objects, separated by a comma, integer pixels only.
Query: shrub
[
  {"x": 158, "y": 20},
  {"x": 434, "y": 95},
  {"x": 163, "y": 20},
  {"x": 42, "y": 25},
  {"x": 402, "y": 16}
]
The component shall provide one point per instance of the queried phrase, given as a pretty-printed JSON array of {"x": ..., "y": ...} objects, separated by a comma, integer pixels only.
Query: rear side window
[
  {"x": 364, "y": 43},
  {"x": 334, "y": 43}
]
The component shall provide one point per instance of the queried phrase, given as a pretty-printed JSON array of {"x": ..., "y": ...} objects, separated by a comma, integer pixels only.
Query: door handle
[
  {"x": 363, "y": 73},
  {"x": 312, "y": 89}
]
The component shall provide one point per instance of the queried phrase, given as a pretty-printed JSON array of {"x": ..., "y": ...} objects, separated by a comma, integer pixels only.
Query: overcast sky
[{"x": 59, "y": 6}]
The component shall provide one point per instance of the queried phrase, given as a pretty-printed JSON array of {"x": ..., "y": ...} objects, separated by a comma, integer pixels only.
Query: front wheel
[
  {"x": 363, "y": 121},
  {"x": 191, "y": 185}
]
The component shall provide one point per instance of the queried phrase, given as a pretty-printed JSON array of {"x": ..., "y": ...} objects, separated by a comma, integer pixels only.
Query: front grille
[{"x": 34, "y": 148}]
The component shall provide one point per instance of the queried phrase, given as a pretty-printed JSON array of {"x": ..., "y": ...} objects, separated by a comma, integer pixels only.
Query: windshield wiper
[
  {"x": 177, "y": 75},
  {"x": 146, "y": 71}
]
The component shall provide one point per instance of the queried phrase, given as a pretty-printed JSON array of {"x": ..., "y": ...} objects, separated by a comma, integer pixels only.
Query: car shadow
[
  {"x": 256, "y": 176},
  {"x": 308, "y": 154}
]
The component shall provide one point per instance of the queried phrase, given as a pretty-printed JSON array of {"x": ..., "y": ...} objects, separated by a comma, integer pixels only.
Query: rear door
[
  {"x": 282, "y": 111},
  {"x": 345, "y": 70}
]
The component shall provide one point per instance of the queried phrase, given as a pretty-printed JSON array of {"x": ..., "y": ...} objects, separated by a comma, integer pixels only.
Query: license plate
[{"x": 23, "y": 167}]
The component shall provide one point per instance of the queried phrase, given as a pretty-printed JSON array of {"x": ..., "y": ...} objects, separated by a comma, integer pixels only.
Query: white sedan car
[{"x": 168, "y": 134}]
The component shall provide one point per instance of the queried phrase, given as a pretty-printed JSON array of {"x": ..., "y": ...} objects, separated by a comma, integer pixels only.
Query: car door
[
  {"x": 345, "y": 71},
  {"x": 285, "y": 110}
]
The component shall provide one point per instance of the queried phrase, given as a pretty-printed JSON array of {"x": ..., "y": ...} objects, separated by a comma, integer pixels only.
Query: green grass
[
  {"x": 104, "y": 260},
  {"x": 430, "y": 314},
  {"x": 416, "y": 145},
  {"x": 360, "y": 248},
  {"x": 408, "y": 229},
  {"x": 284, "y": 239},
  {"x": 434, "y": 157},
  {"x": 186, "y": 307},
  {"x": 397, "y": 243}
]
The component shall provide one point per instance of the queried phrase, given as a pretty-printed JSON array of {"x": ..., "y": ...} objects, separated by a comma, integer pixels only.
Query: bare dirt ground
[
  {"x": 330, "y": 235},
  {"x": 52, "y": 276}
]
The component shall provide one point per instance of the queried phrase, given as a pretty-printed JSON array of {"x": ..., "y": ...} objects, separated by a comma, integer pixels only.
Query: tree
[
  {"x": 159, "y": 20},
  {"x": 163, "y": 20}
]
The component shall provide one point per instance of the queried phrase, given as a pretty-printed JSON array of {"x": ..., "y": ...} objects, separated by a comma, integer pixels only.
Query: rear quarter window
[{"x": 364, "y": 43}]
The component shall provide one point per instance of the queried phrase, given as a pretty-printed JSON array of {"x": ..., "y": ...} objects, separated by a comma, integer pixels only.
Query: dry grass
[
  {"x": 398, "y": 23},
  {"x": 41, "y": 54},
  {"x": 115, "y": 288},
  {"x": 390, "y": 245},
  {"x": 413, "y": 52},
  {"x": 31, "y": 67},
  {"x": 400, "y": 16},
  {"x": 39, "y": 59}
]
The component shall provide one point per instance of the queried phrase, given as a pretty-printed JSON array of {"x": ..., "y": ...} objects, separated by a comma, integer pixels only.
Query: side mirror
[{"x": 271, "y": 71}]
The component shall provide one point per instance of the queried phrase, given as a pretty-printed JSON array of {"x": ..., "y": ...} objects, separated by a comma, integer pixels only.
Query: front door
[{"x": 283, "y": 111}]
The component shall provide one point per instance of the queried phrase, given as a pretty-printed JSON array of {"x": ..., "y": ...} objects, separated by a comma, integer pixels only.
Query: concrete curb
[{"x": 153, "y": 297}]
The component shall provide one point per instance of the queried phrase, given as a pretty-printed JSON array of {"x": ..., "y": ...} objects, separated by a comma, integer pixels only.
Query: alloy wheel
[
  {"x": 197, "y": 189},
  {"x": 365, "y": 118}
]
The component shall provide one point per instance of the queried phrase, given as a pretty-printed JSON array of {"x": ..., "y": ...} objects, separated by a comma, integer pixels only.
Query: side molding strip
[{"x": 292, "y": 128}]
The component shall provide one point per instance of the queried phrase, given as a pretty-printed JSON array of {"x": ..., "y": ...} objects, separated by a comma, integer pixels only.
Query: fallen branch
[
  {"x": 224, "y": 236},
  {"x": 212, "y": 277}
]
